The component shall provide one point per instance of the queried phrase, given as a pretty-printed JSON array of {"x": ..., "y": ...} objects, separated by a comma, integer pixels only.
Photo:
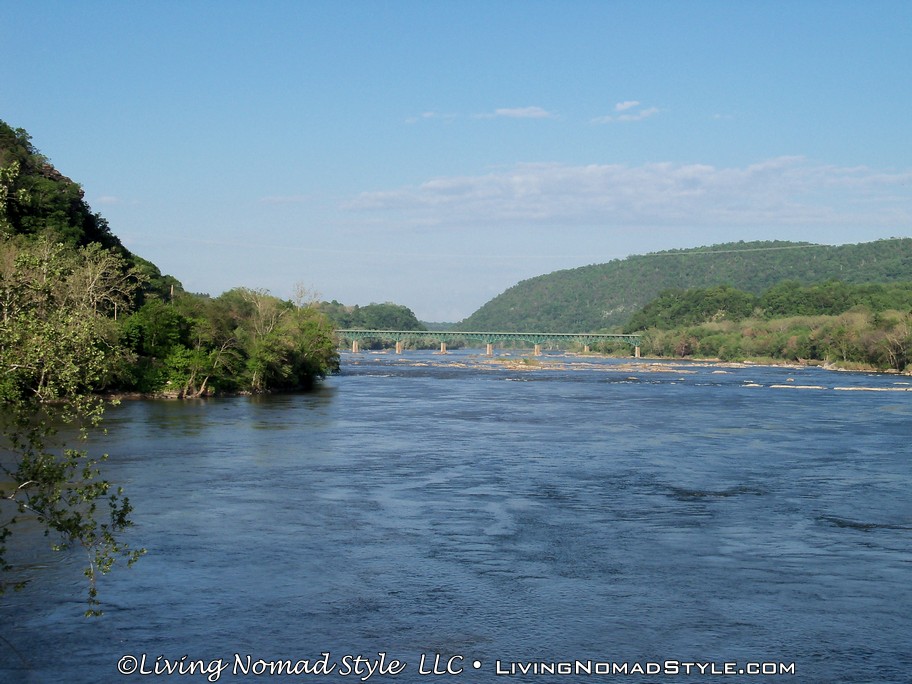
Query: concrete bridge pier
[{"x": 489, "y": 339}]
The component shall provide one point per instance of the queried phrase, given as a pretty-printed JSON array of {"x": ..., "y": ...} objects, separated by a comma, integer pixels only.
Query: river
[{"x": 489, "y": 517}]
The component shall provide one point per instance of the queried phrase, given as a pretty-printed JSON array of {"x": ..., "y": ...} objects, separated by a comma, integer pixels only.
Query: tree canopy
[
  {"x": 676, "y": 308},
  {"x": 36, "y": 198},
  {"x": 241, "y": 341},
  {"x": 386, "y": 316},
  {"x": 865, "y": 324}
]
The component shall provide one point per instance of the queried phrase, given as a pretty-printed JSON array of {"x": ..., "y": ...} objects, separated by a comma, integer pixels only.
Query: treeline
[
  {"x": 386, "y": 316},
  {"x": 68, "y": 325},
  {"x": 605, "y": 296},
  {"x": 866, "y": 325},
  {"x": 675, "y": 308}
]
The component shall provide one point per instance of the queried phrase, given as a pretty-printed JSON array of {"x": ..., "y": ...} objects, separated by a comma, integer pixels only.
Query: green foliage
[
  {"x": 856, "y": 338},
  {"x": 155, "y": 328},
  {"x": 676, "y": 307},
  {"x": 57, "y": 345},
  {"x": 387, "y": 316},
  {"x": 63, "y": 279},
  {"x": 833, "y": 297},
  {"x": 286, "y": 346},
  {"x": 605, "y": 296},
  {"x": 36, "y": 198},
  {"x": 244, "y": 340},
  {"x": 850, "y": 324}
]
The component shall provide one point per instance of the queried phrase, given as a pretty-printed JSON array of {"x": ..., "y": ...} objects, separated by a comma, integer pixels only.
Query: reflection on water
[{"x": 442, "y": 505}]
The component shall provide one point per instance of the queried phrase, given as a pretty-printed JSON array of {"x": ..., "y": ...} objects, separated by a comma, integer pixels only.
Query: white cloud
[
  {"x": 429, "y": 115},
  {"x": 773, "y": 193},
  {"x": 518, "y": 113},
  {"x": 640, "y": 115},
  {"x": 107, "y": 200},
  {"x": 632, "y": 113}
]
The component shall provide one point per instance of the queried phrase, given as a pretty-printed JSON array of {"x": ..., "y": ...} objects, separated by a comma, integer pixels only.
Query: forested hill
[
  {"x": 36, "y": 199},
  {"x": 604, "y": 296}
]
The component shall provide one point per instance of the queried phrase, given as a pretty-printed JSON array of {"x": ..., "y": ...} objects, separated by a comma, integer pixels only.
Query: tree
[
  {"x": 897, "y": 340},
  {"x": 37, "y": 198},
  {"x": 286, "y": 346},
  {"x": 56, "y": 346},
  {"x": 673, "y": 308},
  {"x": 387, "y": 316}
]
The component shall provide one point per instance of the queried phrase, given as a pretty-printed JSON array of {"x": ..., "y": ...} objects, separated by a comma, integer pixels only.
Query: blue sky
[{"x": 436, "y": 153}]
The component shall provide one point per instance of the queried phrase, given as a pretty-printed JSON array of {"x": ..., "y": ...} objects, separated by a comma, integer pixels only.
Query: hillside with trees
[
  {"x": 37, "y": 200},
  {"x": 677, "y": 308},
  {"x": 605, "y": 296}
]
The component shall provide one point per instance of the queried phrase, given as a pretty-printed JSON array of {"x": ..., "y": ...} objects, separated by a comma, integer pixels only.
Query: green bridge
[{"x": 489, "y": 339}]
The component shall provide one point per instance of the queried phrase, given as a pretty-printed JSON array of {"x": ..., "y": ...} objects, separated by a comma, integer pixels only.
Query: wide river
[{"x": 452, "y": 512}]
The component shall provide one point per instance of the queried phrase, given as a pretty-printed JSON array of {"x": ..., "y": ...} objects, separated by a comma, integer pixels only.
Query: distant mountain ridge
[{"x": 604, "y": 296}]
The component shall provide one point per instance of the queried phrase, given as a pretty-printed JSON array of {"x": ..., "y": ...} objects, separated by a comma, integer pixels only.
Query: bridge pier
[{"x": 489, "y": 339}]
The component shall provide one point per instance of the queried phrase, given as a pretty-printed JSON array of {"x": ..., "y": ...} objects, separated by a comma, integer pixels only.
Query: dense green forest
[
  {"x": 605, "y": 296},
  {"x": 676, "y": 308},
  {"x": 850, "y": 326},
  {"x": 243, "y": 340}
]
